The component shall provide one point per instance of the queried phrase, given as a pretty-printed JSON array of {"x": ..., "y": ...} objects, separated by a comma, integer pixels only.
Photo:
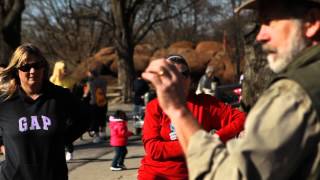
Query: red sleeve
[
  {"x": 231, "y": 121},
  {"x": 155, "y": 146}
]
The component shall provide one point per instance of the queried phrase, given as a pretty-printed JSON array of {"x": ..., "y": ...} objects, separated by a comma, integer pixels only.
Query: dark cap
[{"x": 252, "y": 4}]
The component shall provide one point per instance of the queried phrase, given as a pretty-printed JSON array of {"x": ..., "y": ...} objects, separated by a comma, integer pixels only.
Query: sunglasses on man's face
[{"x": 27, "y": 67}]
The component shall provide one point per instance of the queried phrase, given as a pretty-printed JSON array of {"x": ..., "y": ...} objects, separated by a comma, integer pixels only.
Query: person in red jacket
[
  {"x": 164, "y": 158},
  {"x": 119, "y": 134}
]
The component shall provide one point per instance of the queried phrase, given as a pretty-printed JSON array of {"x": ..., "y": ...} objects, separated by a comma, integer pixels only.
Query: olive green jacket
[{"x": 282, "y": 133}]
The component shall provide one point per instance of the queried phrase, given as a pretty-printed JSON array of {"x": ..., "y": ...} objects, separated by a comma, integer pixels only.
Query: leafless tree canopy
[
  {"x": 73, "y": 30},
  {"x": 134, "y": 19},
  {"x": 67, "y": 29}
]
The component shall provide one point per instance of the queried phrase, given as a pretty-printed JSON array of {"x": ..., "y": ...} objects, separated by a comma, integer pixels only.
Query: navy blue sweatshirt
[{"x": 35, "y": 132}]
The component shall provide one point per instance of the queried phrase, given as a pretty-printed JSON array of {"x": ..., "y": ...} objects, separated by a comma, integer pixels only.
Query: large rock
[
  {"x": 208, "y": 47},
  {"x": 223, "y": 67},
  {"x": 198, "y": 57},
  {"x": 182, "y": 44},
  {"x": 144, "y": 49},
  {"x": 104, "y": 57}
]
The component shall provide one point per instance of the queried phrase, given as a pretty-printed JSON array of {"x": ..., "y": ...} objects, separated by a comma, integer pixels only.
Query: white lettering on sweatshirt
[{"x": 33, "y": 123}]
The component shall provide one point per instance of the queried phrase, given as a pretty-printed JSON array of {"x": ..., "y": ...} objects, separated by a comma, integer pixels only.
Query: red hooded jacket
[{"x": 118, "y": 132}]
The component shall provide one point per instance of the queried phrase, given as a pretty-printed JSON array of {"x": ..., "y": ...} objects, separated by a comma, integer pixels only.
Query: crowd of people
[{"x": 186, "y": 135}]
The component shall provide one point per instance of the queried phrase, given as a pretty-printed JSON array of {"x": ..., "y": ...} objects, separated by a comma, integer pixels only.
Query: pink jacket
[{"x": 119, "y": 132}]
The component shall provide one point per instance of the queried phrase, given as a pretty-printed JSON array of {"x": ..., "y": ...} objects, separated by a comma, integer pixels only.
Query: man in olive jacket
[{"x": 282, "y": 131}]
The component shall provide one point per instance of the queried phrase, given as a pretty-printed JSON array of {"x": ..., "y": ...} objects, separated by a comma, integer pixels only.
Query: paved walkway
[
  {"x": 97, "y": 168},
  {"x": 92, "y": 161}
]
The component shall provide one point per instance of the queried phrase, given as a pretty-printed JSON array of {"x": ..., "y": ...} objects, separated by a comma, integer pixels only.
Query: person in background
[
  {"x": 97, "y": 87},
  {"x": 33, "y": 118},
  {"x": 150, "y": 95},
  {"x": 282, "y": 130},
  {"x": 2, "y": 149},
  {"x": 119, "y": 134},
  {"x": 80, "y": 88},
  {"x": 140, "y": 87},
  {"x": 81, "y": 91},
  {"x": 208, "y": 83},
  {"x": 59, "y": 78},
  {"x": 164, "y": 158}
]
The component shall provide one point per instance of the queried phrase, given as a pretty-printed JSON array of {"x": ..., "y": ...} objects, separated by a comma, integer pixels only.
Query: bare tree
[
  {"x": 198, "y": 22},
  {"x": 67, "y": 29},
  {"x": 133, "y": 20},
  {"x": 257, "y": 74},
  {"x": 10, "y": 26},
  {"x": 75, "y": 29}
]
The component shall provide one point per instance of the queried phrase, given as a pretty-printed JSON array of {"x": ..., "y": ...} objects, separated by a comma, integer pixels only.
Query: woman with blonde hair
[
  {"x": 59, "y": 75},
  {"x": 33, "y": 118}
]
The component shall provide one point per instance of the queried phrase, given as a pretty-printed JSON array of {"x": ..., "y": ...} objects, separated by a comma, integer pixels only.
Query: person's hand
[{"x": 167, "y": 81}]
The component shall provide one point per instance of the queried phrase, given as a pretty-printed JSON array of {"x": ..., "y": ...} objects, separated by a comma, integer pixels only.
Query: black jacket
[{"x": 35, "y": 132}]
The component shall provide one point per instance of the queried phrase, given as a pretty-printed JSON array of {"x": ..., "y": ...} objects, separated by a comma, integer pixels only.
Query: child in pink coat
[{"x": 119, "y": 134}]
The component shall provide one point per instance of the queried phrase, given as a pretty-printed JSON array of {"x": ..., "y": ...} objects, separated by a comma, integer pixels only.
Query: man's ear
[{"x": 312, "y": 23}]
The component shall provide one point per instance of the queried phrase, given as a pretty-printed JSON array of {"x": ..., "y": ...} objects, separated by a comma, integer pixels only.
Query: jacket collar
[{"x": 307, "y": 56}]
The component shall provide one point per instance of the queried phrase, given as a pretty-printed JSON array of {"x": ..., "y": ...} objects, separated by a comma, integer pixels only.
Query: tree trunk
[
  {"x": 126, "y": 73},
  {"x": 5, "y": 50},
  {"x": 237, "y": 40},
  {"x": 257, "y": 77},
  {"x": 10, "y": 26},
  {"x": 125, "y": 47}
]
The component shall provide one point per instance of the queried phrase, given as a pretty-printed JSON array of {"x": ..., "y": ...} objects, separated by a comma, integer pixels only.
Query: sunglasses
[
  {"x": 180, "y": 60},
  {"x": 27, "y": 67},
  {"x": 177, "y": 59}
]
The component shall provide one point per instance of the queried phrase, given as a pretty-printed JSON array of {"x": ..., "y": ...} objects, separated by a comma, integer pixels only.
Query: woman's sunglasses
[{"x": 27, "y": 67}]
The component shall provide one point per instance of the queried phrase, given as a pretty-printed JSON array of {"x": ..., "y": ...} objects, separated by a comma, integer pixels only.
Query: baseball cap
[{"x": 251, "y": 4}]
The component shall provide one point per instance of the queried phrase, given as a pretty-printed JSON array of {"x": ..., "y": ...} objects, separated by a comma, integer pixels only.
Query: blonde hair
[
  {"x": 9, "y": 80},
  {"x": 56, "y": 77}
]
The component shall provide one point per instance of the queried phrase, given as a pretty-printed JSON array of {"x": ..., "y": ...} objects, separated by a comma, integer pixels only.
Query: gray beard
[{"x": 296, "y": 44}]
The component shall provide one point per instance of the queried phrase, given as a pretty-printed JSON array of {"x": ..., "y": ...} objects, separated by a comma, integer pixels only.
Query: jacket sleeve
[
  {"x": 279, "y": 136},
  {"x": 154, "y": 144},
  {"x": 231, "y": 121},
  {"x": 80, "y": 116}
]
